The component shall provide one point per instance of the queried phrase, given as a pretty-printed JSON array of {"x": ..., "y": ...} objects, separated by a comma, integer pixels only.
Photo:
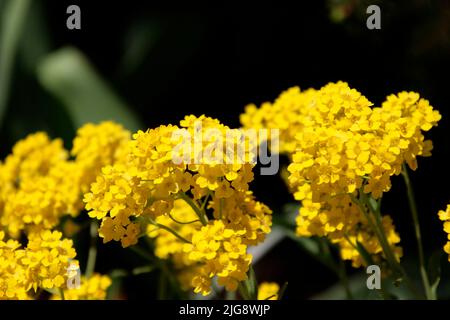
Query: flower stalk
[
  {"x": 413, "y": 208},
  {"x": 200, "y": 213},
  {"x": 373, "y": 216},
  {"x": 92, "y": 255}
]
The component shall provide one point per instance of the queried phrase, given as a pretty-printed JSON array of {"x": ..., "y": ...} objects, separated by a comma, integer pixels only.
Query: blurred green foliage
[{"x": 68, "y": 76}]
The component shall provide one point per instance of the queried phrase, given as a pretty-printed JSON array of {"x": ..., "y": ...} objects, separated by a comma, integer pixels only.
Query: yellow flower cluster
[
  {"x": 96, "y": 146},
  {"x": 46, "y": 259},
  {"x": 39, "y": 183},
  {"x": 222, "y": 252},
  {"x": 92, "y": 288},
  {"x": 207, "y": 174},
  {"x": 42, "y": 263},
  {"x": 287, "y": 113},
  {"x": 268, "y": 291},
  {"x": 12, "y": 284},
  {"x": 339, "y": 145},
  {"x": 445, "y": 216}
]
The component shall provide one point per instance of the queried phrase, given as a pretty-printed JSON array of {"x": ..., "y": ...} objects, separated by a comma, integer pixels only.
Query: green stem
[
  {"x": 142, "y": 270},
  {"x": 338, "y": 268},
  {"x": 243, "y": 290},
  {"x": 379, "y": 231},
  {"x": 181, "y": 222},
  {"x": 161, "y": 264},
  {"x": 282, "y": 291},
  {"x": 176, "y": 234},
  {"x": 141, "y": 252},
  {"x": 92, "y": 255},
  {"x": 368, "y": 260},
  {"x": 61, "y": 293},
  {"x": 205, "y": 201},
  {"x": 413, "y": 207},
  {"x": 200, "y": 213}
]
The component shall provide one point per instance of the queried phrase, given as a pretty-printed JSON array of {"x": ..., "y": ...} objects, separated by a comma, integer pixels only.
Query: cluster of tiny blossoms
[
  {"x": 169, "y": 168},
  {"x": 42, "y": 264},
  {"x": 40, "y": 184},
  {"x": 341, "y": 146}
]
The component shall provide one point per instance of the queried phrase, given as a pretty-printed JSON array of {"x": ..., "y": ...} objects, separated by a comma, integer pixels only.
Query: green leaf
[
  {"x": 35, "y": 41},
  {"x": 252, "y": 284},
  {"x": 12, "y": 20},
  {"x": 69, "y": 76},
  {"x": 248, "y": 288}
]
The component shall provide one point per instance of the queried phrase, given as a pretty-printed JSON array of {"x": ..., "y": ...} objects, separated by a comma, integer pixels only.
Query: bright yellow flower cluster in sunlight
[
  {"x": 268, "y": 291},
  {"x": 12, "y": 275},
  {"x": 96, "y": 146},
  {"x": 93, "y": 288},
  {"x": 445, "y": 216},
  {"x": 42, "y": 263},
  {"x": 165, "y": 180},
  {"x": 40, "y": 184},
  {"x": 340, "y": 146},
  {"x": 287, "y": 113},
  {"x": 223, "y": 253}
]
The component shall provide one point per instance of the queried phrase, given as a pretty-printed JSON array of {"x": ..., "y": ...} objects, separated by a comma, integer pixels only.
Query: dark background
[{"x": 215, "y": 60}]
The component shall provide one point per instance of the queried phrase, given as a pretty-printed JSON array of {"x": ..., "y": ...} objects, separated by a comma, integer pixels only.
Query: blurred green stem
[
  {"x": 200, "y": 213},
  {"x": 373, "y": 217},
  {"x": 92, "y": 255},
  {"x": 243, "y": 291},
  {"x": 162, "y": 265},
  {"x": 168, "y": 229},
  {"x": 413, "y": 207},
  {"x": 338, "y": 268},
  {"x": 61, "y": 293}
]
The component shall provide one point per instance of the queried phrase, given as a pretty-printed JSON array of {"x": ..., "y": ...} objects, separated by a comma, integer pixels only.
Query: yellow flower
[
  {"x": 268, "y": 291},
  {"x": 445, "y": 216},
  {"x": 42, "y": 263}
]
